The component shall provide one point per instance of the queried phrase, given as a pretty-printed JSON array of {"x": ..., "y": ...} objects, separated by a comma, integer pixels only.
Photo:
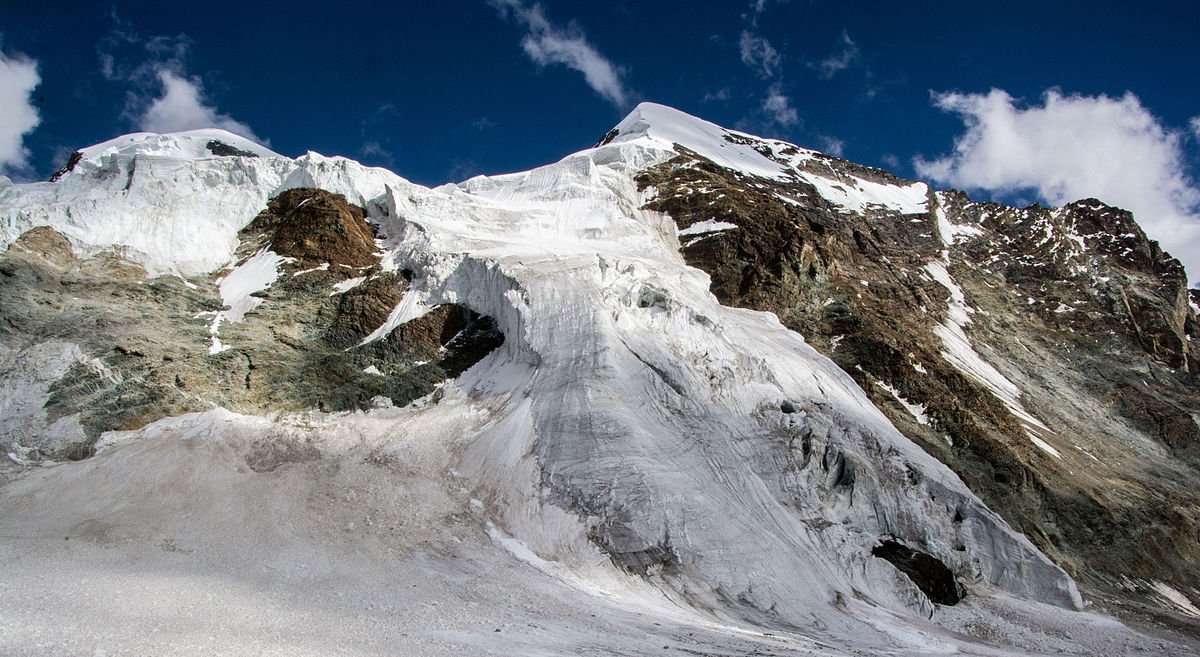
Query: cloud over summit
[
  {"x": 181, "y": 107},
  {"x": 162, "y": 97}
]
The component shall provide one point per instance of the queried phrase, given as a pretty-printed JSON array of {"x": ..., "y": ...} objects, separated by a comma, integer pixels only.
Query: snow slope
[{"x": 631, "y": 433}]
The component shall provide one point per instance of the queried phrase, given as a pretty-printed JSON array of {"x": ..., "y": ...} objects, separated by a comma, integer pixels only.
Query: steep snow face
[
  {"x": 629, "y": 420},
  {"x": 667, "y": 126}
]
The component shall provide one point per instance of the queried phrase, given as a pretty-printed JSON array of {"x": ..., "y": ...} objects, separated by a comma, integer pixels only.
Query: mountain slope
[
  {"x": 1046, "y": 355},
  {"x": 616, "y": 431}
]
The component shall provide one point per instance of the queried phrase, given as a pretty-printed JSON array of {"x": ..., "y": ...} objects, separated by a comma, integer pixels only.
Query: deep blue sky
[{"x": 440, "y": 91}]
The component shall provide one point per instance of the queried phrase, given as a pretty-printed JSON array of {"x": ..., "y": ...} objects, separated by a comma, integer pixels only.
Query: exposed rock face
[
  {"x": 317, "y": 227},
  {"x": 1047, "y": 356},
  {"x": 68, "y": 167},
  {"x": 221, "y": 149},
  {"x": 121, "y": 350}
]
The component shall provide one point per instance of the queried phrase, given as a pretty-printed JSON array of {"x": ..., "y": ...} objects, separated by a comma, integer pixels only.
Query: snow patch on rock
[
  {"x": 411, "y": 306},
  {"x": 854, "y": 194},
  {"x": 958, "y": 351},
  {"x": 916, "y": 410},
  {"x": 707, "y": 226}
]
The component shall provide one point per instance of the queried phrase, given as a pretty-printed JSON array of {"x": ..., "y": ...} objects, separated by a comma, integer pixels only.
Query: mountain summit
[{"x": 687, "y": 387}]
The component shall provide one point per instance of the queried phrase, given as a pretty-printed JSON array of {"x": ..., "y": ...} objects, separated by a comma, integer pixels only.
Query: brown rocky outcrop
[{"x": 317, "y": 227}]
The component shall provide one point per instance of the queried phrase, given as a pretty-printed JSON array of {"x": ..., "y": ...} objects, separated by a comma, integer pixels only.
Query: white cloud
[
  {"x": 832, "y": 145},
  {"x": 759, "y": 55},
  {"x": 374, "y": 148},
  {"x": 181, "y": 107},
  {"x": 830, "y": 66},
  {"x": 18, "y": 117},
  {"x": 545, "y": 43},
  {"x": 779, "y": 107},
  {"x": 162, "y": 96},
  {"x": 1195, "y": 125},
  {"x": 1073, "y": 147}
]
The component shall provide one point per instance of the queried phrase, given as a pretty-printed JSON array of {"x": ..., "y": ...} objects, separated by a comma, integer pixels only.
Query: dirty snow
[
  {"x": 1042, "y": 445},
  {"x": 1175, "y": 598}
]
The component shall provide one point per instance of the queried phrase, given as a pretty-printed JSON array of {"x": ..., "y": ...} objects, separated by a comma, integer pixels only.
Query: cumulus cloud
[
  {"x": 1071, "y": 147},
  {"x": 1195, "y": 125},
  {"x": 841, "y": 61},
  {"x": 181, "y": 107},
  {"x": 18, "y": 117},
  {"x": 759, "y": 54},
  {"x": 545, "y": 44},
  {"x": 162, "y": 97}
]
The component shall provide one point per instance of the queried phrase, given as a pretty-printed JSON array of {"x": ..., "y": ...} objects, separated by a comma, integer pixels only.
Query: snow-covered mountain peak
[
  {"x": 174, "y": 203},
  {"x": 189, "y": 145},
  {"x": 669, "y": 126},
  {"x": 851, "y": 187}
]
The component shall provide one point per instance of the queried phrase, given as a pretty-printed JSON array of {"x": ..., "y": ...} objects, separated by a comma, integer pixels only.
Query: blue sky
[{"x": 441, "y": 91}]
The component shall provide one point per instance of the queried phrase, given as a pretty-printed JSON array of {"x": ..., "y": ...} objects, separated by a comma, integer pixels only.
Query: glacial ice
[{"x": 630, "y": 424}]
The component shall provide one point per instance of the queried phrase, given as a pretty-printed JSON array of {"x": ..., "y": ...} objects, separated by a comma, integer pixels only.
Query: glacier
[{"x": 634, "y": 450}]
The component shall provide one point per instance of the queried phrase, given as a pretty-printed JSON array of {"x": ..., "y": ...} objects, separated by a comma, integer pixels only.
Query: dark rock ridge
[
  {"x": 136, "y": 349},
  {"x": 1087, "y": 318},
  {"x": 220, "y": 148},
  {"x": 68, "y": 167}
]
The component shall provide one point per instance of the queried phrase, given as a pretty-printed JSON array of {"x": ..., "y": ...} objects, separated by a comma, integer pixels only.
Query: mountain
[{"x": 687, "y": 388}]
